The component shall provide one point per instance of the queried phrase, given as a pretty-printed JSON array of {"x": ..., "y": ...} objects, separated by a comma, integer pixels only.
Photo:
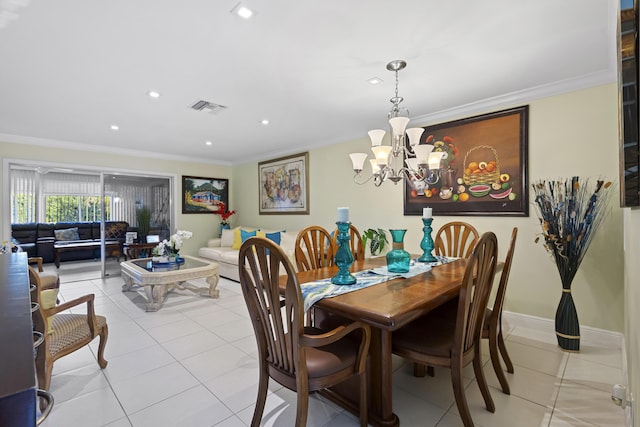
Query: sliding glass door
[
  {"x": 104, "y": 207},
  {"x": 145, "y": 203}
]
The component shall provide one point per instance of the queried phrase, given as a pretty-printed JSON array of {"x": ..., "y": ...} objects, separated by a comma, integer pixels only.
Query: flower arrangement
[
  {"x": 447, "y": 146},
  {"x": 224, "y": 213},
  {"x": 173, "y": 245},
  {"x": 570, "y": 212}
]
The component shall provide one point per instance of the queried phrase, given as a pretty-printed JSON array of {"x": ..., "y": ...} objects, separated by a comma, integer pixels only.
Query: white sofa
[{"x": 221, "y": 250}]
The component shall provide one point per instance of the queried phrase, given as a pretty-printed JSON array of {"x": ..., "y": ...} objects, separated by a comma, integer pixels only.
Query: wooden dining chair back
[
  {"x": 64, "y": 332},
  {"x": 355, "y": 242},
  {"x": 456, "y": 239},
  {"x": 314, "y": 248},
  {"x": 492, "y": 328},
  {"x": 303, "y": 359},
  {"x": 435, "y": 341},
  {"x": 47, "y": 279}
]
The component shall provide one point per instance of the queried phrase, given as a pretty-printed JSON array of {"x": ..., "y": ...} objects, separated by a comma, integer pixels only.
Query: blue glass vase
[{"x": 398, "y": 260}]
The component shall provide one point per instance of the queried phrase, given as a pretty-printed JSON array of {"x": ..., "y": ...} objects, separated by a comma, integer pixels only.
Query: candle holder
[
  {"x": 343, "y": 258},
  {"x": 427, "y": 242}
]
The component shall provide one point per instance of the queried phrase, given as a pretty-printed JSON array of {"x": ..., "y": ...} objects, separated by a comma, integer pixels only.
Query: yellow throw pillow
[
  {"x": 237, "y": 239},
  {"x": 48, "y": 299}
]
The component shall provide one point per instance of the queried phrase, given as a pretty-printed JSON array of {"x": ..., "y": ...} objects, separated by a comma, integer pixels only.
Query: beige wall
[
  {"x": 570, "y": 134},
  {"x": 203, "y": 226}
]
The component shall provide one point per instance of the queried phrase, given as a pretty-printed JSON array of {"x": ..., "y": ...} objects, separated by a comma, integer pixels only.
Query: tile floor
[{"x": 193, "y": 364}]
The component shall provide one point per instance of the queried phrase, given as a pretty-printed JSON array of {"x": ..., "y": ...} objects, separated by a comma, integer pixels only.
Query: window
[{"x": 68, "y": 208}]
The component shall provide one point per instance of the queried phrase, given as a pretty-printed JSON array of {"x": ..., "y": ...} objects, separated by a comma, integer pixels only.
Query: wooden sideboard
[{"x": 17, "y": 371}]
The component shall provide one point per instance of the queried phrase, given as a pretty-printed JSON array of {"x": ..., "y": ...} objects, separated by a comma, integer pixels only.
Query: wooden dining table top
[{"x": 392, "y": 304}]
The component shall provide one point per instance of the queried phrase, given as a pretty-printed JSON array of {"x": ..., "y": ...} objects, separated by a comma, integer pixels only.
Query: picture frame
[
  {"x": 283, "y": 185},
  {"x": 484, "y": 171},
  {"x": 201, "y": 195}
]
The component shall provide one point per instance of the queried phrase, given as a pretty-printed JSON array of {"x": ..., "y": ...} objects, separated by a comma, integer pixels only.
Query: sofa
[
  {"x": 225, "y": 250},
  {"x": 38, "y": 239}
]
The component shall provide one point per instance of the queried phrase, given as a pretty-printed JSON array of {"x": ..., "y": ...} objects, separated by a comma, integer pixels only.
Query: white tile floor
[{"x": 193, "y": 364}]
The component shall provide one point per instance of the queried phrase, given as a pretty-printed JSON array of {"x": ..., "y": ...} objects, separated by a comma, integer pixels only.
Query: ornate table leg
[
  {"x": 128, "y": 283},
  {"x": 213, "y": 284},
  {"x": 156, "y": 295}
]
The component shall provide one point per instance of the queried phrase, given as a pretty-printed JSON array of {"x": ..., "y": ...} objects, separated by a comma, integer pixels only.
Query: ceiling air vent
[{"x": 208, "y": 107}]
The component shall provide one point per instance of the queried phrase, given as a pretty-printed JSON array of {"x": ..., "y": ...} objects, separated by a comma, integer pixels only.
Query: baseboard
[{"x": 587, "y": 333}]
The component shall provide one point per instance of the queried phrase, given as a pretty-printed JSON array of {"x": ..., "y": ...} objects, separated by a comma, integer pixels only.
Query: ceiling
[{"x": 70, "y": 69}]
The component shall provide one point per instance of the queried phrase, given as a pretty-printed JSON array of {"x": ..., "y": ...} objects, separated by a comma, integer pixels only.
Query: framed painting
[
  {"x": 284, "y": 185},
  {"x": 483, "y": 170},
  {"x": 202, "y": 195}
]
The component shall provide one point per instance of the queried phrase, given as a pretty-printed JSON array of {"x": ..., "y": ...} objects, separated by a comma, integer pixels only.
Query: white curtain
[
  {"x": 24, "y": 195},
  {"x": 71, "y": 184}
]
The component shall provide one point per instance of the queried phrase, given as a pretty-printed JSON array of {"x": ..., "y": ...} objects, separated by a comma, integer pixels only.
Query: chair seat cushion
[
  {"x": 428, "y": 334},
  {"x": 69, "y": 329},
  {"x": 332, "y": 358}
]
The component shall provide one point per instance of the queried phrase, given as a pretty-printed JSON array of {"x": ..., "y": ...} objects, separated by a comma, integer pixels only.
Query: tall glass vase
[
  {"x": 343, "y": 258},
  {"x": 567, "y": 325},
  {"x": 398, "y": 260}
]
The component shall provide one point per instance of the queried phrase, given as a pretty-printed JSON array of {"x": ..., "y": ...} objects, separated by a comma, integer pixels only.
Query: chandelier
[{"x": 396, "y": 161}]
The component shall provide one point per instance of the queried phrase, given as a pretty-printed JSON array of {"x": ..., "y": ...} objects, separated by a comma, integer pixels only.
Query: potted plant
[
  {"x": 377, "y": 239},
  {"x": 143, "y": 215}
]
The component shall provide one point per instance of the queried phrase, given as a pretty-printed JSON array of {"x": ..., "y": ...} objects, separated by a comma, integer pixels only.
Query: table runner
[{"x": 313, "y": 292}]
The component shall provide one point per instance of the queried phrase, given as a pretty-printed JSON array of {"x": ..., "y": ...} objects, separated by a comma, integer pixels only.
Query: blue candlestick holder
[
  {"x": 427, "y": 242},
  {"x": 343, "y": 258}
]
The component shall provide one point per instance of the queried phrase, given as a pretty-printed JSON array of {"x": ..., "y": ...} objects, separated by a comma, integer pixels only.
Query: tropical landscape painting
[{"x": 202, "y": 195}]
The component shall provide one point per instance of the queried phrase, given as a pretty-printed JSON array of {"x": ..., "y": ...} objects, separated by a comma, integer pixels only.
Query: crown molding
[
  {"x": 54, "y": 143},
  {"x": 520, "y": 97}
]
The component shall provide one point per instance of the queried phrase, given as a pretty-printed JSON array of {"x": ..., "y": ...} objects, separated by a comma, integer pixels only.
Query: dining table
[{"x": 385, "y": 307}]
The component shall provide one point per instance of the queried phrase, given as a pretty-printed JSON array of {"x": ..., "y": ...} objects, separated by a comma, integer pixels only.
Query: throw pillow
[
  {"x": 226, "y": 239},
  {"x": 246, "y": 234},
  {"x": 48, "y": 299},
  {"x": 237, "y": 239},
  {"x": 67, "y": 234},
  {"x": 274, "y": 237}
]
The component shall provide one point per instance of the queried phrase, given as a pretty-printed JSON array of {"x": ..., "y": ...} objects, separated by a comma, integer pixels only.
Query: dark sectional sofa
[{"x": 38, "y": 239}]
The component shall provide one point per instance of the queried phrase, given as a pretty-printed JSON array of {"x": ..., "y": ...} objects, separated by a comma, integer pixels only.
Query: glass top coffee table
[{"x": 158, "y": 280}]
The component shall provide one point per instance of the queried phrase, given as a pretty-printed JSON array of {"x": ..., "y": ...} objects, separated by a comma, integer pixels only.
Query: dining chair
[
  {"x": 434, "y": 341},
  {"x": 492, "y": 327},
  {"x": 64, "y": 332},
  {"x": 303, "y": 359},
  {"x": 456, "y": 239},
  {"x": 314, "y": 248},
  {"x": 355, "y": 242},
  {"x": 48, "y": 279}
]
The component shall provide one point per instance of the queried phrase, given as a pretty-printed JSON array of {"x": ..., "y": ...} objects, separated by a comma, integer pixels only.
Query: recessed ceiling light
[
  {"x": 153, "y": 94},
  {"x": 375, "y": 80},
  {"x": 265, "y": 122},
  {"x": 208, "y": 143},
  {"x": 242, "y": 11},
  {"x": 115, "y": 127}
]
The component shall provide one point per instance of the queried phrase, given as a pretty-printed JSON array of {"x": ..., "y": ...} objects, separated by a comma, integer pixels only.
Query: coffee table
[
  {"x": 112, "y": 248},
  {"x": 158, "y": 281}
]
